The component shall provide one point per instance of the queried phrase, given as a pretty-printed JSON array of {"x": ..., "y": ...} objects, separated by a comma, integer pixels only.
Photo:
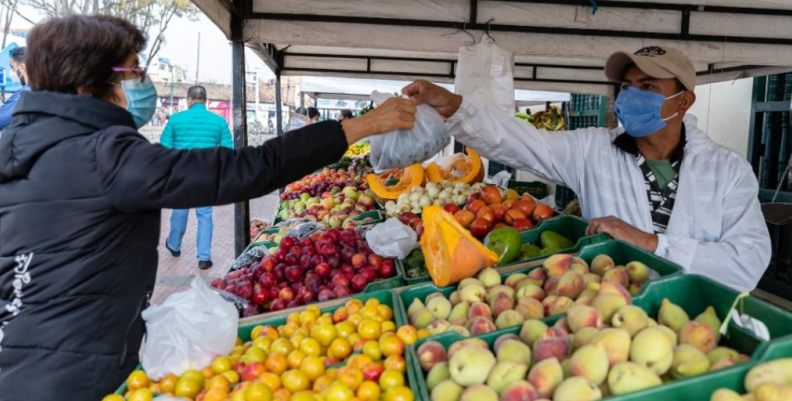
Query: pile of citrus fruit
[{"x": 353, "y": 354}]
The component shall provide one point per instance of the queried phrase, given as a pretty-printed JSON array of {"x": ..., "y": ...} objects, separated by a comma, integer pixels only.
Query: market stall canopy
[
  {"x": 360, "y": 89},
  {"x": 561, "y": 45}
]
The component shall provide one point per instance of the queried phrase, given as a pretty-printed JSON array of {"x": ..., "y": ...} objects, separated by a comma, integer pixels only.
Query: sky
[{"x": 181, "y": 48}]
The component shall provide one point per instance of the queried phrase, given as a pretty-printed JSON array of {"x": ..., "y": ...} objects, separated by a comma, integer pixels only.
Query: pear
[
  {"x": 710, "y": 318},
  {"x": 672, "y": 316}
]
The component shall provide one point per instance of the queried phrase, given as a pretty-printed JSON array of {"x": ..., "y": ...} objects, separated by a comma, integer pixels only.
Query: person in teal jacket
[{"x": 195, "y": 128}]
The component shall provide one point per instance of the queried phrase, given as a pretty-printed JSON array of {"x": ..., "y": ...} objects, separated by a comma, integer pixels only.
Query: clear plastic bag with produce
[
  {"x": 188, "y": 331},
  {"x": 392, "y": 239},
  {"x": 302, "y": 231},
  {"x": 403, "y": 148}
]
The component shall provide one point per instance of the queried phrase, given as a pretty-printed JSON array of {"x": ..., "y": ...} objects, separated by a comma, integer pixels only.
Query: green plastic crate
[
  {"x": 535, "y": 188},
  {"x": 385, "y": 297},
  {"x": 692, "y": 293}
]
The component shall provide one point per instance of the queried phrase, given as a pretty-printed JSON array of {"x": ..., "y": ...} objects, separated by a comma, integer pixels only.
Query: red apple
[
  {"x": 499, "y": 225},
  {"x": 480, "y": 227},
  {"x": 491, "y": 195},
  {"x": 359, "y": 282},
  {"x": 451, "y": 208},
  {"x": 286, "y": 294},
  {"x": 522, "y": 224},
  {"x": 527, "y": 206},
  {"x": 261, "y": 296},
  {"x": 406, "y": 217},
  {"x": 486, "y": 214},
  {"x": 541, "y": 212},
  {"x": 464, "y": 217},
  {"x": 476, "y": 205},
  {"x": 388, "y": 269},
  {"x": 326, "y": 295},
  {"x": 512, "y": 215},
  {"x": 499, "y": 211},
  {"x": 358, "y": 260},
  {"x": 414, "y": 223},
  {"x": 322, "y": 269},
  {"x": 375, "y": 260}
]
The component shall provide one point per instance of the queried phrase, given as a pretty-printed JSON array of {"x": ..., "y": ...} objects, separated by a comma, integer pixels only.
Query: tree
[{"x": 151, "y": 16}]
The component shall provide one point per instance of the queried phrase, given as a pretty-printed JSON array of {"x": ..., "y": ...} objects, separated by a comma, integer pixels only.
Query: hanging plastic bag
[
  {"x": 402, "y": 148},
  {"x": 188, "y": 331},
  {"x": 485, "y": 72},
  {"x": 392, "y": 239}
]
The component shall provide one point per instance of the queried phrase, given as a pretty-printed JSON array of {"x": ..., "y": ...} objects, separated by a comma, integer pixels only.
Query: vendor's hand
[
  {"x": 422, "y": 92},
  {"x": 618, "y": 229},
  {"x": 394, "y": 114}
]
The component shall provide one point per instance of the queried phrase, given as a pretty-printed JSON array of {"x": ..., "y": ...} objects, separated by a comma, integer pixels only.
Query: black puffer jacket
[{"x": 80, "y": 199}]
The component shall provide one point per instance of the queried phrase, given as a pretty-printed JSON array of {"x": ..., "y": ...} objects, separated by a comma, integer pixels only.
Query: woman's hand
[
  {"x": 394, "y": 114},
  {"x": 423, "y": 92}
]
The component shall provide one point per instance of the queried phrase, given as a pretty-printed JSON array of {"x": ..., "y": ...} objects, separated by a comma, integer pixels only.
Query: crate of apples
[
  {"x": 355, "y": 352},
  {"x": 493, "y": 208}
]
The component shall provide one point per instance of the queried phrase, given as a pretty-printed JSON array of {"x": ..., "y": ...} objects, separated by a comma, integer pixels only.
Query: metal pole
[
  {"x": 257, "y": 96},
  {"x": 198, "y": 59},
  {"x": 242, "y": 209},
  {"x": 278, "y": 103}
]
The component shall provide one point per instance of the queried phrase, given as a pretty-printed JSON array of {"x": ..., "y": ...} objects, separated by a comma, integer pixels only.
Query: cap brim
[{"x": 617, "y": 64}]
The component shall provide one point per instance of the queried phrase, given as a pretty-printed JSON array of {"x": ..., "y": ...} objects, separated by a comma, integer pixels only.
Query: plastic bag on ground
[
  {"x": 485, "y": 72},
  {"x": 402, "y": 148},
  {"x": 188, "y": 331},
  {"x": 392, "y": 239}
]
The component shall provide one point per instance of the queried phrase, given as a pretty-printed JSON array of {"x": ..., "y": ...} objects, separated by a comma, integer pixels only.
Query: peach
[
  {"x": 437, "y": 375},
  {"x": 607, "y": 305},
  {"x": 545, "y": 376},
  {"x": 689, "y": 361},
  {"x": 415, "y": 306},
  {"x": 538, "y": 273},
  {"x": 561, "y": 305},
  {"x": 590, "y": 362},
  {"x": 508, "y": 319},
  {"x": 610, "y": 287},
  {"x": 557, "y": 265},
  {"x": 529, "y": 290},
  {"x": 630, "y": 318},
  {"x": 530, "y": 308},
  {"x": 635, "y": 288},
  {"x": 468, "y": 282},
  {"x": 440, "y": 306},
  {"x": 616, "y": 343},
  {"x": 469, "y": 342},
  {"x": 552, "y": 344},
  {"x": 459, "y": 329},
  {"x": 579, "y": 269},
  {"x": 637, "y": 272},
  {"x": 591, "y": 278},
  {"x": 439, "y": 326},
  {"x": 473, "y": 293},
  {"x": 455, "y": 298},
  {"x": 584, "y": 337},
  {"x": 471, "y": 365},
  {"x": 577, "y": 389},
  {"x": 430, "y": 354},
  {"x": 481, "y": 325},
  {"x": 489, "y": 277},
  {"x": 601, "y": 264},
  {"x": 447, "y": 391},
  {"x": 514, "y": 279},
  {"x": 433, "y": 296},
  {"x": 502, "y": 303},
  {"x": 493, "y": 292},
  {"x": 653, "y": 349},
  {"x": 721, "y": 364},
  {"x": 551, "y": 286},
  {"x": 698, "y": 335},
  {"x": 479, "y": 392},
  {"x": 502, "y": 339},
  {"x": 532, "y": 330},
  {"x": 629, "y": 377},
  {"x": 514, "y": 350},
  {"x": 479, "y": 309},
  {"x": 547, "y": 302},
  {"x": 459, "y": 314},
  {"x": 672, "y": 316},
  {"x": 570, "y": 285},
  {"x": 720, "y": 353},
  {"x": 520, "y": 390},
  {"x": 710, "y": 318},
  {"x": 505, "y": 373},
  {"x": 423, "y": 318},
  {"x": 563, "y": 325},
  {"x": 580, "y": 316},
  {"x": 617, "y": 276}
]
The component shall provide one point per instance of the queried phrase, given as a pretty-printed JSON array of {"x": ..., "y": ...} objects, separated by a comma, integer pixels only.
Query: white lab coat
[{"x": 716, "y": 229}]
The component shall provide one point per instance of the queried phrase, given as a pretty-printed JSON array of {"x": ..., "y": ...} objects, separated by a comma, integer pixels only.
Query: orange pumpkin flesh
[
  {"x": 410, "y": 177},
  {"x": 451, "y": 252},
  {"x": 468, "y": 170}
]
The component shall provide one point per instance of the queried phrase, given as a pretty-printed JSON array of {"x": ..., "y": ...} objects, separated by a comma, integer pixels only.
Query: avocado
[{"x": 552, "y": 238}]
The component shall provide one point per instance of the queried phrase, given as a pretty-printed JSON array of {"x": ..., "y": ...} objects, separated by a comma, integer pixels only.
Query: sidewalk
[{"x": 175, "y": 274}]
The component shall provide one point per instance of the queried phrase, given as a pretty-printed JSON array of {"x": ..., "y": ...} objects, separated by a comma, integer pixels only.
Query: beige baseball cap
[{"x": 655, "y": 61}]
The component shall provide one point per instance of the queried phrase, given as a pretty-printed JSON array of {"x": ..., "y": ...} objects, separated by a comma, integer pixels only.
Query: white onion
[
  {"x": 460, "y": 199},
  {"x": 405, "y": 208},
  {"x": 390, "y": 206},
  {"x": 425, "y": 201},
  {"x": 433, "y": 192},
  {"x": 415, "y": 197},
  {"x": 416, "y": 210},
  {"x": 445, "y": 195},
  {"x": 403, "y": 197}
]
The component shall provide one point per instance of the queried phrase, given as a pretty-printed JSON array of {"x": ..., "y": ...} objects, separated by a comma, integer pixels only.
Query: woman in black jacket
[{"x": 80, "y": 198}]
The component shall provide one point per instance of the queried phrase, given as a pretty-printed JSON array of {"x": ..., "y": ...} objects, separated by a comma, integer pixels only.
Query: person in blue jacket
[
  {"x": 195, "y": 128},
  {"x": 18, "y": 73}
]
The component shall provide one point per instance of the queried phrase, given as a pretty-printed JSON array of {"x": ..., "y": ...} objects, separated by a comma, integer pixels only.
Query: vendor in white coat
[{"x": 659, "y": 183}]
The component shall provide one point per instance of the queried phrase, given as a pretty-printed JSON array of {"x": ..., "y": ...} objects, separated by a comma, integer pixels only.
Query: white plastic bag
[
  {"x": 485, "y": 72},
  {"x": 403, "y": 148},
  {"x": 188, "y": 331},
  {"x": 392, "y": 239}
]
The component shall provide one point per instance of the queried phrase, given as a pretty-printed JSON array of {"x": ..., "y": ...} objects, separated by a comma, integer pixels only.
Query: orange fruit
[
  {"x": 303, "y": 396},
  {"x": 369, "y": 329},
  {"x": 369, "y": 312},
  {"x": 390, "y": 344},
  {"x": 385, "y": 312},
  {"x": 340, "y": 314},
  {"x": 155, "y": 388},
  {"x": 263, "y": 342},
  {"x": 220, "y": 382},
  {"x": 256, "y": 332},
  {"x": 399, "y": 393},
  {"x": 222, "y": 364},
  {"x": 408, "y": 334},
  {"x": 390, "y": 379},
  {"x": 238, "y": 341},
  {"x": 373, "y": 302},
  {"x": 324, "y": 333},
  {"x": 355, "y": 319},
  {"x": 168, "y": 383},
  {"x": 322, "y": 382},
  {"x": 295, "y": 380},
  {"x": 187, "y": 387},
  {"x": 207, "y": 372},
  {"x": 339, "y": 392},
  {"x": 141, "y": 394},
  {"x": 311, "y": 347},
  {"x": 372, "y": 349},
  {"x": 359, "y": 361},
  {"x": 315, "y": 309},
  {"x": 296, "y": 339},
  {"x": 282, "y": 346},
  {"x": 232, "y": 376},
  {"x": 352, "y": 377},
  {"x": 276, "y": 363},
  {"x": 340, "y": 348},
  {"x": 325, "y": 319},
  {"x": 290, "y": 328},
  {"x": 395, "y": 362},
  {"x": 258, "y": 392},
  {"x": 295, "y": 359},
  {"x": 293, "y": 317},
  {"x": 194, "y": 375},
  {"x": 282, "y": 395},
  {"x": 423, "y": 333},
  {"x": 307, "y": 316},
  {"x": 345, "y": 329},
  {"x": 368, "y": 391},
  {"x": 239, "y": 394},
  {"x": 271, "y": 379},
  {"x": 313, "y": 367},
  {"x": 388, "y": 326},
  {"x": 113, "y": 397},
  {"x": 254, "y": 354},
  {"x": 215, "y": 394},
  {"x": 137, "y": 379}
]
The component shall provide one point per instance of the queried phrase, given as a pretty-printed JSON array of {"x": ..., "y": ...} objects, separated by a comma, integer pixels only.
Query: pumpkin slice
[
  {"x": 390, "y": 184},
  {"x": 451, "y": 252},
  {"x": 457, "y": 168}
]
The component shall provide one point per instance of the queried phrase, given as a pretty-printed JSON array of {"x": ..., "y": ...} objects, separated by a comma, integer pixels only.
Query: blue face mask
[
  {"x": 639, "y": 111},
  {"x": 141, "y": 99}
]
